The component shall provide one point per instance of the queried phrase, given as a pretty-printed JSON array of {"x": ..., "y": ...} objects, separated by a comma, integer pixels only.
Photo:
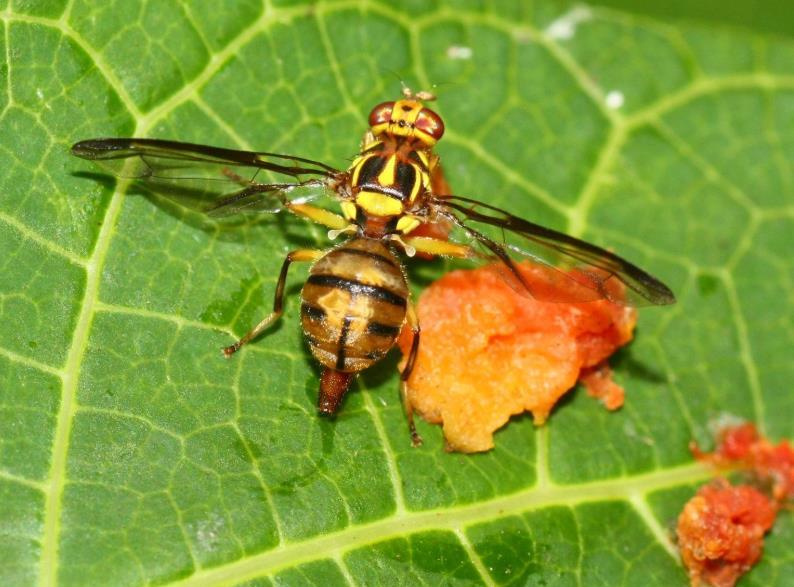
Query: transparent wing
[
  {"x": 220, "y": 181},
  {"x": 568, "y": 269},
  {"x": 267, "y": 198}
]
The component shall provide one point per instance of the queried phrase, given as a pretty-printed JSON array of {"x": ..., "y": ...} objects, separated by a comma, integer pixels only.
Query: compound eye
[
  {"x": 430, "y": 123},
  {"x": 381, "y": 114}
]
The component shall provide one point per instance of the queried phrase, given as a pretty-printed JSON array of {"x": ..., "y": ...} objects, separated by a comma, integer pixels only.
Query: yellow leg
[
  {"x": 434, "y": 246},
  {"x": 278, "y": 301},
  {"x": 413, "y": 322},
  {"x": 319, "y": 215}
]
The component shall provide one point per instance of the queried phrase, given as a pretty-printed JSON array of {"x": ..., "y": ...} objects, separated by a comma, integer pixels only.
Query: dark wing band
[
  {"x": 595, "y": 268},
  {"x": 156, "y": 155}
]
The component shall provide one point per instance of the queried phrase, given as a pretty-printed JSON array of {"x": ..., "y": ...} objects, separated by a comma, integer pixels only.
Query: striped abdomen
[{"x": 354, "y": 304}]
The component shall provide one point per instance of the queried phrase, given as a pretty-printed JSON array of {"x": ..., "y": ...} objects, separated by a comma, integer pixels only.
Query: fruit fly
[{"x": 356, "y": 300}]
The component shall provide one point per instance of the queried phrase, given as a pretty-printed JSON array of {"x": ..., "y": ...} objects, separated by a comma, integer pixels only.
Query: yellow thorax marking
[
  {"x": 428, "y": 164},
  {"x": 369, "y": 142},
  {"x": 378, "y": 204},
  {"x": 388, "y": 174},
  {"x": 358, "y": 162}
]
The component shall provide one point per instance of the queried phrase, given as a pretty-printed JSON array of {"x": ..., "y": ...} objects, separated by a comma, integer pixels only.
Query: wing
[
  {"x": 173, "y": 160},
  {"x": 266, "y": 197},
  {"x": 198, "y": 175},
  {"x": 570, "y": 270}
]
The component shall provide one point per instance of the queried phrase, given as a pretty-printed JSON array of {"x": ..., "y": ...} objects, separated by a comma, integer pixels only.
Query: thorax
[{"x": 387, "y": 180}]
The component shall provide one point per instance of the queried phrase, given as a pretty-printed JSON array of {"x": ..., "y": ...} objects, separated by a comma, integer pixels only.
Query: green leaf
[{"x": 131, "y": 452}]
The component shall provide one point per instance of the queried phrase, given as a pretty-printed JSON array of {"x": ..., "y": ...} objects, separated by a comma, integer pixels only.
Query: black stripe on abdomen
[
  {"x": 312, "y": 312},
  {"x": 369, "y": 255},
  {"x": 340, "y": 353},
  {"x": 357, "y": 288},
  {"x": 380, "y": 329}
]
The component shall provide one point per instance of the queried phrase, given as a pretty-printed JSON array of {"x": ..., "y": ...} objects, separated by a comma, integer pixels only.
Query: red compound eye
[
  {"x": 430, "y": 123},
  {"x": 381, "y": 114}
]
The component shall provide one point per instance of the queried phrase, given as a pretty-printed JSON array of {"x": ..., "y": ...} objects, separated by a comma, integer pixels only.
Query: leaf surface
[{"x": 131, "y": 452}]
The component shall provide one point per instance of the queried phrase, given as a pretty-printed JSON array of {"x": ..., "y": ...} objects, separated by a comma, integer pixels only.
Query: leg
[
  {"x": 319, "y": 215},
  {"x": 434, "y": 246},
  {"x": 413, "y": 322},
  {"x": 278, "y": 301}
]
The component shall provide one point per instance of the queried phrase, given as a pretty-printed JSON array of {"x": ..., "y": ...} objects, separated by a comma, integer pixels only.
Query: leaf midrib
[{"x": 629, "y": 489}]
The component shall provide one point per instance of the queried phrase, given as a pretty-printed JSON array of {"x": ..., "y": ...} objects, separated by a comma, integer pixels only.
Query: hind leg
[
  {"x": 278, "y": 301},
  {"x": 413, "y": 322}
]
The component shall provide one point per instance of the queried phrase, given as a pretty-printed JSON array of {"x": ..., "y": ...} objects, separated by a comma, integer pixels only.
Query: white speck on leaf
[
  {"x": 630, "y": 430},
  {"x": 564, "y": 27},
  {"x": 615, "y": 99},
  {"x": 722, "y": 421},
  {"x": 459, "y": 52},
  {"x": 207, "y": 531}
]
